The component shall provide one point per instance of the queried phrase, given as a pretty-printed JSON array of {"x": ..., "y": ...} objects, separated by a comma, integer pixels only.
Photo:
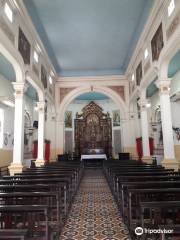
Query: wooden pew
[
  {"x": 139, "y": 195},
  {"x": 54, "y": 184},
  {"x": 140, "y": 179},
  {"x": 51, "y": 199},
  {"x": 53, "y": 179},
  {"x": 48, "y": 178},
  {"x": 20, "y": 234},
  {"x": 160, "y": 205},
  {"x": 20, "y": 210},
  {"x": 136, "y": 183},
  {"x": 142, "y": 185}
]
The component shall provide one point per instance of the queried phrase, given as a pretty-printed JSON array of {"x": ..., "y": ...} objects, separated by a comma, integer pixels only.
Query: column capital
[
  {"x": 164, "y": 85},
  {"x": 20, "y": 88},
  {"x": 144, "y": 104},
  {"x": 41, "y": 106}
]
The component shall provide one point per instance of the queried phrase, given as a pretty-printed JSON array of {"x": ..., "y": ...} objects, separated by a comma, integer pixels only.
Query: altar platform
[{"x": 93, "y": 160}]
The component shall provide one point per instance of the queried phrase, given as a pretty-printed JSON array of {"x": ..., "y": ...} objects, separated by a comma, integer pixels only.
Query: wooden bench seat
[
  {"x": 51, "y": 199},
  {"x": 136, "y": 185},
  {"x": 18, "y": 210},
  {"x": 152, "y": 194},
  {"x": 20, "y": 234},
  {"x": 160, "y": 205},
  {"x": 59, "y": 187}
]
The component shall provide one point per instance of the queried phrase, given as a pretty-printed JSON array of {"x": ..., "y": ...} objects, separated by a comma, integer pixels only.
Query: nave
[{"x": 94, "y": 214}]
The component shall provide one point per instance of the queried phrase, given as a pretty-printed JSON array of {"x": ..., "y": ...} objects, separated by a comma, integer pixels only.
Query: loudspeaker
[{"x": 35, "y": 124}]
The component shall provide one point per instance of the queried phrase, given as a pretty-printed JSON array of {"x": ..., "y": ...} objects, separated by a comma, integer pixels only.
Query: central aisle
[{"x": 94, "y": 214}]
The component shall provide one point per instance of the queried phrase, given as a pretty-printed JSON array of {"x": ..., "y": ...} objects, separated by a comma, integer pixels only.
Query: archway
[
  {"x": 174, "y": 75},
  {"x": 120, "y": 106},
  {"x": 7, "y": 76}
]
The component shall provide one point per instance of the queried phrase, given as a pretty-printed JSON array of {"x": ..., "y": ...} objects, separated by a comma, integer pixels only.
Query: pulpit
[{"x": 93, "y": 131}]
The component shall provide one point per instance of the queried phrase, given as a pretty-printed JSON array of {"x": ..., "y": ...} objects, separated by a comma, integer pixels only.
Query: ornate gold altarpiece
[{"x": 93, "y": 131}]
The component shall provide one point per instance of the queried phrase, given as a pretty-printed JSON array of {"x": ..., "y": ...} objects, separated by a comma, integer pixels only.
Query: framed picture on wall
[
  {"x": 68, "y": 119},
  {"x": 116, "y": 118}
]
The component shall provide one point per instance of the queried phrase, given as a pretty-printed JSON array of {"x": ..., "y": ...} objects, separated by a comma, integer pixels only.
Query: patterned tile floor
[{"x": 94, "y": 214}]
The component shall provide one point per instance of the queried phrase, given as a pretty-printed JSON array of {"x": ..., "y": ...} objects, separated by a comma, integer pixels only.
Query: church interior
[{"x": 89, "y": 119}]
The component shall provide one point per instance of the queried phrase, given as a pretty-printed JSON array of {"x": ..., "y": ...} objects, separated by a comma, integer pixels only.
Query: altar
[
  {"x": 93, "y": 160},
  {"x": 93, "y": 133},
  {"x": 93, "y": 156}
]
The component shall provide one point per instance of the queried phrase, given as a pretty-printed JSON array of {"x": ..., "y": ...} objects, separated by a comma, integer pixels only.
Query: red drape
[
  {"x": 47, "y": 151},
  {"x": 140, "y": 149}
]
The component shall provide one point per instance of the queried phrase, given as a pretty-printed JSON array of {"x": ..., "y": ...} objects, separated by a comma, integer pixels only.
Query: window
[
  {"x": 132, "y": 77},
  {"x": 8, "y": 12},
  {"x": 50, "y": 79},
  {"x": 171, "y": 8},
  {"x": 1, "y": 127},
  {"x": 146, "y": 53},
  {"x": 36, "y": 57}
]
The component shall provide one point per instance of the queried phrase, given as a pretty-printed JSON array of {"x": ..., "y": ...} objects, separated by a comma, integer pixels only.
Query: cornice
[
  {"x": 91, "y": 78},
  {"x": 114, "y": 80}
]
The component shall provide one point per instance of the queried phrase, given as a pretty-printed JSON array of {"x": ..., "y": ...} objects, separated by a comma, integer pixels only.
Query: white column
[
  {"x": 166, "y": 119},
  {"x": 41, "y": 123},
  {"x": 145, "y": 129},
  {"x": 60, "y": 137},
  {"x": 18, "y": 150}
]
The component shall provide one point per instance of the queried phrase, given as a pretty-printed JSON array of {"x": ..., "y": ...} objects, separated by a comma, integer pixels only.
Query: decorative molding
[
  {"x": 41, "y": 107},
  {"x": 164, "y": 86},
  {"x": 119, "y": 90},
  {"x": 20, "y": 88},
  {"x": 147, "y": 66},
  {"x": 5, "y": 28},
  {"x": 173, "y": 26},
  {"x": 64, "y": 92},
  {"x": 91, "y": 79},
  {"x": 143, "y": 105}
]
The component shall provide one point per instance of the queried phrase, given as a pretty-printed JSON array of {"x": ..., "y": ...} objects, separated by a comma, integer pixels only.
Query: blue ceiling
[
  {"x": 90, "y": 96},
  {"x": 89, "y": 37}
]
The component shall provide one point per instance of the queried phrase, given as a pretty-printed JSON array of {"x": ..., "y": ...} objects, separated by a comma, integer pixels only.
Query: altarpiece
[{"x": 93, "y": 131}]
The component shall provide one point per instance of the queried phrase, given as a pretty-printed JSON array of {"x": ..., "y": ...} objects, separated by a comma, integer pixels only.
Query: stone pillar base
[
  {"x": 15, "y": 168},
  {"x": 147, "y": 159},
  {"x": 39, "y": 162},
  {"x": 171, "y": 164}
]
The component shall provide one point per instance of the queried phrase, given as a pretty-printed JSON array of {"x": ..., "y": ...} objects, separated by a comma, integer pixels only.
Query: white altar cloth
[{"x": 93, "y": 156}]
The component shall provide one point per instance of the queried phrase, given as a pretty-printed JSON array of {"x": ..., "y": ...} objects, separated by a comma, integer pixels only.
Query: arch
[
  {"x": 16, "y": 62},
  {"x": 30, "y": 78},
  {"x": 78, "y": 91},
  {"x": 51, "y": 104},
  {"x": 172, "y": 47}
]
